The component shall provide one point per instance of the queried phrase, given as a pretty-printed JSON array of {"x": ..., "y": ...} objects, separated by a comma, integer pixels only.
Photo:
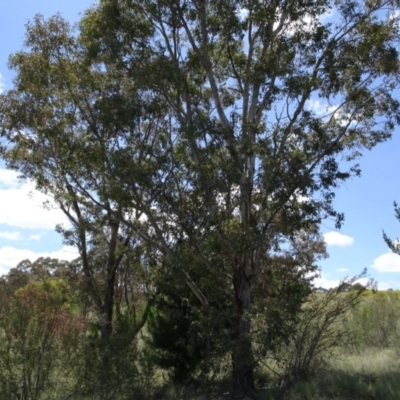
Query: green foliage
[
  {"x": 375, "y": 322},
  {"x": 162, "y": 122},
  {"x": 188, "y": 339},
  {"x": 317, "y": 333},
  {"x": 175, "y": 344},
  {"x": 37, "y": 328},
  {"x": 118, "y": 377},
  {"x": 285, "y": 285}
]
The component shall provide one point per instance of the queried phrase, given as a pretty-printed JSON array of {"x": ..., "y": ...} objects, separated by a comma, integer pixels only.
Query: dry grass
[{"x": 372, "y": 374}]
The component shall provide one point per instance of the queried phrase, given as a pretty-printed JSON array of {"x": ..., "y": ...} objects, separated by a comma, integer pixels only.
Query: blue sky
[{"x": 27, "y": 230}]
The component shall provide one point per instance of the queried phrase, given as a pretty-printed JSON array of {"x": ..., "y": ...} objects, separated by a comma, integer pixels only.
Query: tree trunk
[
  {"x": 104, "y": 380},
  {"x": 242, "y": 352}
]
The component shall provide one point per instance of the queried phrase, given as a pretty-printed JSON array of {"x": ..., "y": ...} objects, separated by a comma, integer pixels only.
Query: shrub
[{"x": 317, "y": 333}]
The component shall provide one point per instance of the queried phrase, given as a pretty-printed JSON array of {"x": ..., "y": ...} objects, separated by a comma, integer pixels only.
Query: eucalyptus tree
[
  {"x": 63, "y": 121},
  {"x": 226, "y": 125},
  {"x": 264, "y": 101}
]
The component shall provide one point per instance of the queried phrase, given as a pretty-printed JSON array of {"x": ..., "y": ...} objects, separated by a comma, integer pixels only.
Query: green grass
[
  {"x": 372, "y": 374},
  {"x": 369, "y": 375}
]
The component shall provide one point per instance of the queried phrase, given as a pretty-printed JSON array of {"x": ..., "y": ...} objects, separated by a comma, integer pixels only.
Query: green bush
[
  {"x": 375, "y": 322},
  {"x": 175, "y": 343}
]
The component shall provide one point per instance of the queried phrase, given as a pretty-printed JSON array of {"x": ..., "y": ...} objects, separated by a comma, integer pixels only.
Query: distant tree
[{"x": 358, "y": 286}]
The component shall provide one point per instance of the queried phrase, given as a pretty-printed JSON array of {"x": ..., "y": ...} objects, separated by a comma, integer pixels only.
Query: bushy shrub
[
  {"x": 375, "y": 322},
  {"x": 175, "y": 341},
  {"x": 37, "y": 326},
  {"x": 317, "y": 333}
]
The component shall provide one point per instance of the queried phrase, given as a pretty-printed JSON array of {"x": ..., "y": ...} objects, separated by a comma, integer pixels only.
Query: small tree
[
  {"x": 38, "y": 325},
  {"x": 175, "y": 344},
  {"x": 319, "y": 331}
]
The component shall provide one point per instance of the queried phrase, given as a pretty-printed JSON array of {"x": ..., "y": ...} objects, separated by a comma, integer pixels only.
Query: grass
[
  {"x": 373, "y": 374},
  {"x": 368, "y": 375}
]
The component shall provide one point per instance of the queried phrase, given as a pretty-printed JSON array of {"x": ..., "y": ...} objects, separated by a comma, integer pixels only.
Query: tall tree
[
  {"x": 193, "y": 121},
  {"x": 239, "y": 78},
  {"x": 66, "y": 136}
]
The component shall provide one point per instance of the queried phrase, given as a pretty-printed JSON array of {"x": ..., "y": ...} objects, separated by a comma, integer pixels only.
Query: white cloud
[
  {"x": 342, "y": 270},
  {"x": 35, "y": 237},
  {"x": 363, "y": 281},
  {"x": 380, "y": 285},
  {"x": 326, "y": 112},
  {"x": 1, "y": 84},
  {"x": 326, "y": 283},
  {"x": 385, "y": 286},
  {"x": 388, "y": 262},
  {"x": 306, "y": 23},
  {"x": 243, "y": 13},
  {"x": 10, "y": 235},
  {"x": 329, "y": 14},
  {"x": 337, "y": 239},
  {"x": 9, "y": 178},
  {"x": 22, "y": 205},
  {"x": 10, "y": 257},
  {"x": 321, "y": 110},
  {"x": 394, "y": 15},
  {"x": 300, "y": 198}
]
